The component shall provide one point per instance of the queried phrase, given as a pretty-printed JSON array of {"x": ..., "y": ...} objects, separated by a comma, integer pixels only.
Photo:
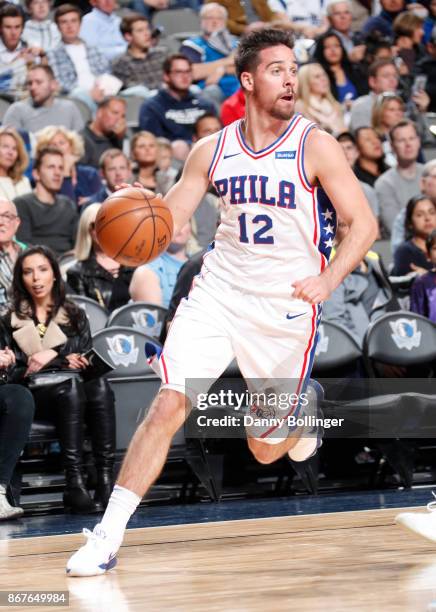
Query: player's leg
[
  {"x": 275, "y": 355},
  {"x": 196, "y": 352},
  {"x": 420, "y": 523},
  {"x": 301, "y": 442}
]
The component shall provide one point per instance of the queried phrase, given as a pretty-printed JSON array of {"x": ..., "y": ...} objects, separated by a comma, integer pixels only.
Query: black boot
[
  {"x": 100, "y": 418},
  {"x": 69, "y": 403},
  {"x": 76, "y": 496}
]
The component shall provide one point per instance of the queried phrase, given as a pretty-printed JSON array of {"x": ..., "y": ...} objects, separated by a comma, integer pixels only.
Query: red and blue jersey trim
[
  {"x": 217, "y": 153},
  {"x": 273, "y": 146},
  {"x": 306, "y": 368},
  {"x": 300, "y": 158}
]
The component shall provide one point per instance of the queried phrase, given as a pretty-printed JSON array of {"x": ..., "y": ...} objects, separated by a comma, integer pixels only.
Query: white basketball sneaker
[
  {"x": 96, "y": 557},
  {"x": 308, "y": 445},
  {"x": 422, "y": 523}
]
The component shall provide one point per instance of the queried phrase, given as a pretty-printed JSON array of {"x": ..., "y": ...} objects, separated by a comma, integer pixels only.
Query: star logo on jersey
[
  {"x": 328, "y": 243},
  {"x": 328, "y": 215},
  {"x": 329, "y": 229}
]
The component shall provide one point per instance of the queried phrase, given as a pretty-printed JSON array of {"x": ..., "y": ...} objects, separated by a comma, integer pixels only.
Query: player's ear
[{"x": 247, "y": 81}]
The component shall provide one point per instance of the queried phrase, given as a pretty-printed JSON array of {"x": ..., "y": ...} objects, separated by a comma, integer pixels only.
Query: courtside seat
[
  {"x": 404, "y": 407},
  {"x": 142, "y": 316},
  {"x": 336, "y": 348},
  {"x": 97, "y": 314}
]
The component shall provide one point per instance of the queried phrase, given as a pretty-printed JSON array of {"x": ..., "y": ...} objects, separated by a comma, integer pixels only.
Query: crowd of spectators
[{"x": 69, "y": 74}]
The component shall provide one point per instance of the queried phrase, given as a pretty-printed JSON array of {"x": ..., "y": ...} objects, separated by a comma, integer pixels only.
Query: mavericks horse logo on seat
[
  {"x": 405, "y": 333},
  {"x": 122, "y": 350}
]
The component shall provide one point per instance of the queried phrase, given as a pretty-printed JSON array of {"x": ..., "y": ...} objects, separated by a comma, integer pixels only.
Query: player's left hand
[{"x": 313, "y": 289}]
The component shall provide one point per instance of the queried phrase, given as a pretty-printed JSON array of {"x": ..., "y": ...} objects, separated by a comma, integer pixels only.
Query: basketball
[{"x": 133, "y": 226}]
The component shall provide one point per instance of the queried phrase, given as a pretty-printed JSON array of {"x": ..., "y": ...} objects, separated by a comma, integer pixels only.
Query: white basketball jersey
[{"x": 275, "y": 227}]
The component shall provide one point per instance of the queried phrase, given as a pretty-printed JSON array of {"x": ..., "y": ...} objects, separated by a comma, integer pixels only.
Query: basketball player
[{"x": 258, "y": 297}]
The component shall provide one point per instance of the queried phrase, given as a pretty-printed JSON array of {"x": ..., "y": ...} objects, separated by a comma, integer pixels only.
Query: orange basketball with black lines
[{"x": 134, "y": 226}]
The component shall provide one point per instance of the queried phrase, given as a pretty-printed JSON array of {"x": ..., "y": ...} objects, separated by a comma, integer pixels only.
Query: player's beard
[
  {"x": 281, "y": 114},
  {"x": 278, "y": 113}
]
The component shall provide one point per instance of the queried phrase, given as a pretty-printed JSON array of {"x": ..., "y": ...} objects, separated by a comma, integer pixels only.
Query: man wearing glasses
[
  {"x": 173, "y": 111},
  {"x": 9, "y": 249}
]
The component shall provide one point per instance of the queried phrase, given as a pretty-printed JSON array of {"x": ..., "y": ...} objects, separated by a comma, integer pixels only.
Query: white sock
[{"x": 122, "y": 504}]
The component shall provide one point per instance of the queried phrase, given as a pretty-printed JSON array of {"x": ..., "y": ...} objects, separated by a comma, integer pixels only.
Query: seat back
[
  {"x": 335, "y": 348},
  {"x": 401, "y": 338},
  {"x": 134, "y": 104},
  {"x": 124, "y": 348},
  {"x": 97, "y": 315},
  {"x": 141, "y": 316},
  {"x": 133, "y": 381},
  {"x": 177, "y": 20}
]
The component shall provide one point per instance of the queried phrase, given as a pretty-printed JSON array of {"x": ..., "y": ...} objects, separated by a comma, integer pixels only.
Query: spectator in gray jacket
[
  {"x": 396, "y": 186},
  {"x": 42, "y": 108},
  {"x": 363, "y": 296}
]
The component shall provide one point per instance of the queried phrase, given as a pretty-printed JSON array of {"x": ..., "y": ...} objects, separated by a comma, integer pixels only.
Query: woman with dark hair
[
  {"x": 48, "y": 333},
  {"x": 420, "y": 222},
  {"x": 346, "y": 84},
  {"x": 370, "y": 164}
]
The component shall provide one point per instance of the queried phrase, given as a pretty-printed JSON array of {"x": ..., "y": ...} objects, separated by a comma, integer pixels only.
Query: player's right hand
[{"x": 312, "y": 289}]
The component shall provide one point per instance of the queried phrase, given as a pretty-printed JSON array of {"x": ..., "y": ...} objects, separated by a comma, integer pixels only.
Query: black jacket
[
  {"x": 61, "y": 336},
  {"x": 90, "y": 279}
]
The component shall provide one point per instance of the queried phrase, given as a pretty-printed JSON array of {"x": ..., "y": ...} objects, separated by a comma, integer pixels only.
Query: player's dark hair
[
  {"x": 411, "y": 205},
  {"x": 250, "y": 46}
]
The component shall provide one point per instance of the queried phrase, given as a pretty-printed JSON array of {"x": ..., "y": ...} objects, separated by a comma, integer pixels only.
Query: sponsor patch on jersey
[{"x": 285, "y": 154}]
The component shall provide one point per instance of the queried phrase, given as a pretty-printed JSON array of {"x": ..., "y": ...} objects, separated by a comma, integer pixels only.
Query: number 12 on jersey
[{"x": 264, "y": 223}]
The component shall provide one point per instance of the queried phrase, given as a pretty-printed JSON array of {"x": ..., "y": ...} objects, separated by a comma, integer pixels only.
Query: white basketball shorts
[{"x": 272, "y": 339}]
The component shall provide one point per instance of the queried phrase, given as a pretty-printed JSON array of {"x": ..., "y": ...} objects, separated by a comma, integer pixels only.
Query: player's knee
[
  {"x": 169, "y": 410},
  {"x": 263, "y": 453}
]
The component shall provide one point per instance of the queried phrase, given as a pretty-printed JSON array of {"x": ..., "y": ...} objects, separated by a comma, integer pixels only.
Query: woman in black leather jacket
[
  {"x": 47, "y": 332},
  {"x": 96, "y": 275}
]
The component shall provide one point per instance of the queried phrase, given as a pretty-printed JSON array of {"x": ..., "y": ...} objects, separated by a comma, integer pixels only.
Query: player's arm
[
  {"x": 184, "y": 197},
  {"x": 325, "y": 162}
]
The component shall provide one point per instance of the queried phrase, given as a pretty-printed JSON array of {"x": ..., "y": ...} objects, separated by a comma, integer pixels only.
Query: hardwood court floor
[{"x": 337, "y": 562}]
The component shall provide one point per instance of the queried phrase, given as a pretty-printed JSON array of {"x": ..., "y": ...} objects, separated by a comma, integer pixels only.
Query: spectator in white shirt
[{"x": 39, "y": 30}]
